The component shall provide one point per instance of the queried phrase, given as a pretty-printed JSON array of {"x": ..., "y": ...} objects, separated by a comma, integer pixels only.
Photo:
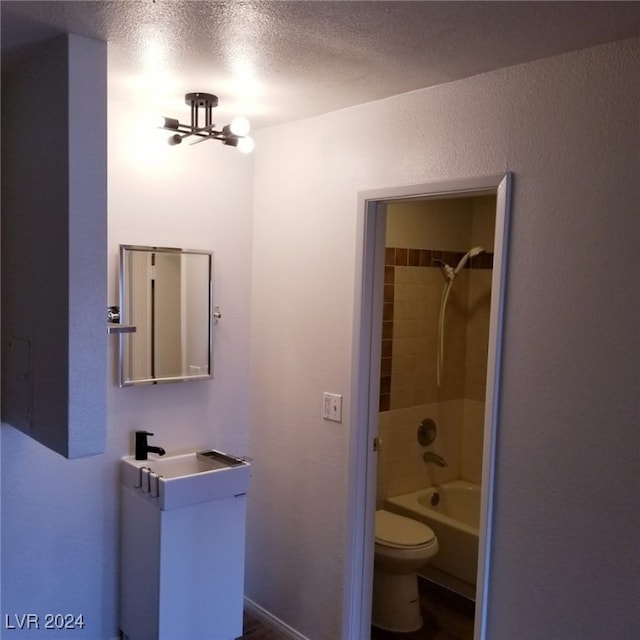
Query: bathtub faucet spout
[{"x": 430, "y": 456}]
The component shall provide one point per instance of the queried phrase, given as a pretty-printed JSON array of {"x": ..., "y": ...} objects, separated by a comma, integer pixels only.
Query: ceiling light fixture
[{"x": 233, "y": 135}]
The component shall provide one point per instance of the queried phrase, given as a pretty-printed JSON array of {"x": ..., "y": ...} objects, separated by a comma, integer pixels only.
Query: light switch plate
[{"x": 332, "y": 407}]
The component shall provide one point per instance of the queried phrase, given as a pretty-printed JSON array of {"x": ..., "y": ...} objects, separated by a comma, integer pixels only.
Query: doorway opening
[{"x": 428, "y": 334}]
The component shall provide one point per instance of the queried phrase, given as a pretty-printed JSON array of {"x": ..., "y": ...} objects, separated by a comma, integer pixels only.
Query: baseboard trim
[{"x": 271, "y": 621}]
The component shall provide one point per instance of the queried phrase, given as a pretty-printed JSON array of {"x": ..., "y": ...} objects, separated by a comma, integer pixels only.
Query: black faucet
[{"x": 142, "y": 448}]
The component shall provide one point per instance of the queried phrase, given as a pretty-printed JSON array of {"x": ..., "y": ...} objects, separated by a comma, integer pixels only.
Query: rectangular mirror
[{"x": 166, "y": 293}]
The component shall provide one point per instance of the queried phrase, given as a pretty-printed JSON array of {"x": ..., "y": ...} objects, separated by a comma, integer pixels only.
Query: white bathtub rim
[{"x": 409, "y": 502}]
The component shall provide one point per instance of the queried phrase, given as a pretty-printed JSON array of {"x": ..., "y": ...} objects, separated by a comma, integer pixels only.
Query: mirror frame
[{"x": 124, "y": 318}]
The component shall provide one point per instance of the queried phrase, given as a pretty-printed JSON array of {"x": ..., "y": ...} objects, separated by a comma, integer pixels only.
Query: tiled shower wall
[{"x": 414, "y": 282}]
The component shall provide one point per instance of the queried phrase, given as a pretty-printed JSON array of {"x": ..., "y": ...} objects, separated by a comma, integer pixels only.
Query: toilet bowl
[{"x": 402, "y": 546}]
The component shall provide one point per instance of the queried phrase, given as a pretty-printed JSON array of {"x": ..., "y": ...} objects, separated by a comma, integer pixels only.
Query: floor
[
  {"x": 446, "y": 615},
  {"x": 253, "y": 629}
]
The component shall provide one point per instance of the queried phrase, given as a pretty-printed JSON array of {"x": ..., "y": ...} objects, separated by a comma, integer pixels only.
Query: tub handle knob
[{"x": 427, "y": 432}]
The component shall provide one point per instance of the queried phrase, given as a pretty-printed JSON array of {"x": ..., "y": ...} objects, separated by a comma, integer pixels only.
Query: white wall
[
  {"x": 566, "y": 516},
  {"x": 60, "y": 517}
]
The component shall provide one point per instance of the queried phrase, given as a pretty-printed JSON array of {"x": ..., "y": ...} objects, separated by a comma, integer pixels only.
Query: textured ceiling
[{"x": 281, "y": 61}]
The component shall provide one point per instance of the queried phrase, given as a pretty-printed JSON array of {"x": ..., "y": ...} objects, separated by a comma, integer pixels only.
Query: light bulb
[
  {"x": 240, "y": 126},
  {"x": 246, "y": 145}
]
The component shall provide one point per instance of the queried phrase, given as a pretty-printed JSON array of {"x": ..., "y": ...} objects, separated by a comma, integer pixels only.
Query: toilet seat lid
[{"x": 398, "y": 531}]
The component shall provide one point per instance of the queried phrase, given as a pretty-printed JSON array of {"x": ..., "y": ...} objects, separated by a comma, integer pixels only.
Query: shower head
[{"x": 472, "y": 253}]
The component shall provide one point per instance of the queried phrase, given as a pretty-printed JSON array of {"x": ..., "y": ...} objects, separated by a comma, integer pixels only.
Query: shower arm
[{"x": 449, "y": 271}]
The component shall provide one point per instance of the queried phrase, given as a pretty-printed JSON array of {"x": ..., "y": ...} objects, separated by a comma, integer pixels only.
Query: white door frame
[{"x": 365, "y": 390}]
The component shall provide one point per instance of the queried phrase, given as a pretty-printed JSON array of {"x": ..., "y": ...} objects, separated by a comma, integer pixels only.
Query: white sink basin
[{"x": 172, "y": 482}]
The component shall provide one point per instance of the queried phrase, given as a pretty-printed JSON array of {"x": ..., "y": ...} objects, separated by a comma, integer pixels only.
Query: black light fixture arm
[{"x": 202, "y": 104}]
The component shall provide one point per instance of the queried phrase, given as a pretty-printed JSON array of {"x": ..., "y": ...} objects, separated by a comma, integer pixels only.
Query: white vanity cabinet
[{"x": 182, "y": 565}]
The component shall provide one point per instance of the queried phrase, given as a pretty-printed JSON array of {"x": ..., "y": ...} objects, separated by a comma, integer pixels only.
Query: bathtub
[{"x": 454, "y": 520}]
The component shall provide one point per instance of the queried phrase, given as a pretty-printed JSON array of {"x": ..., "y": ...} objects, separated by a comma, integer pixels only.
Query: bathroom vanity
[{"x": 182, "y": 546}]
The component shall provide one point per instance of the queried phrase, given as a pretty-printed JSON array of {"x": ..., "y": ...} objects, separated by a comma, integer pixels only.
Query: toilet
[{"x": 402, "y": 546}]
